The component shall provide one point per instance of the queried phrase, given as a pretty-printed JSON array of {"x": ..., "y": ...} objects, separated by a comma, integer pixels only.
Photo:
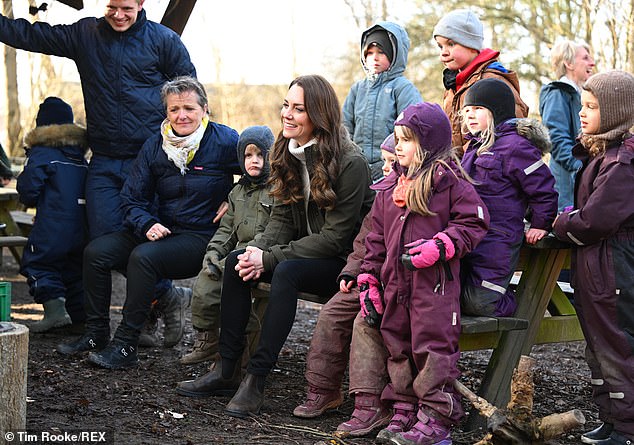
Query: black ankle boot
[
  {"x": 117, "y": 355},
  {"x": 87, "y": 342},
  {"x": 249, "y": 399},
  {"x": 212, "y": 383}
]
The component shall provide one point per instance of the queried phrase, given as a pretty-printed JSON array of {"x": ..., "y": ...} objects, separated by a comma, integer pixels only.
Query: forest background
[{"x": 247, "y": 51}]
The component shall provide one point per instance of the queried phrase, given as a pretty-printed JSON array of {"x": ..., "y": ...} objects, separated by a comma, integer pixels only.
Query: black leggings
[{"x": 317, "y": 276}]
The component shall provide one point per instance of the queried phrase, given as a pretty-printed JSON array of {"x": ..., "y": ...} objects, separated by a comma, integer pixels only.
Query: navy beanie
[
  {"x": 494, "y": 95},
  {"x": 262, "y": 137},
  {"x": 54, "y": 111}
]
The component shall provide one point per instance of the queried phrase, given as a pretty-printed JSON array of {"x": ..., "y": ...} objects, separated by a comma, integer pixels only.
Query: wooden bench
[
  {"x": 24, "y": 220},
  {"x": 9, "y": 202},
  {"x": 509, "y": 337},
  {"x": 468, "y": 325},
  {"x": 14, "y": 242}
]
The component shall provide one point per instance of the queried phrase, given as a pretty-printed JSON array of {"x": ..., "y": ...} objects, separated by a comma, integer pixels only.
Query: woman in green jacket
[{"x": 320, "y": 182}]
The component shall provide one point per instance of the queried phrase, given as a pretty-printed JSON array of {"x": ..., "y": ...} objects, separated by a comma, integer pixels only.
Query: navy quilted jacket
[
  {"x": 121, "y": 73},
  {"x": 186, "y": 203}
]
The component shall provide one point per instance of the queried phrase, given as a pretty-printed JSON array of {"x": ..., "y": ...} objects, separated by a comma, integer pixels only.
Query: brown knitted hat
[{"x": 615, "y": 92}]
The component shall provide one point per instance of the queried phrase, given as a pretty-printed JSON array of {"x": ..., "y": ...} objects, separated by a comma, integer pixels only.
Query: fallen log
[{"x": 516, "y": 424}]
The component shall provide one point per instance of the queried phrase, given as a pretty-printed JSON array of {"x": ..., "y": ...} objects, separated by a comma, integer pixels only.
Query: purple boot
[
  {"x": 369, "y": 414},
  {"x": 403, "y": 419},
  {"x": 427, "y": 431}
]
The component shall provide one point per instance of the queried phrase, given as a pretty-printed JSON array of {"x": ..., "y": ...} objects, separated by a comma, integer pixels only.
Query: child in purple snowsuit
[
  {"x": 601, "y": 227},
  {"x": 425, "y": 217},
  {"x": 504, "y": 160}
]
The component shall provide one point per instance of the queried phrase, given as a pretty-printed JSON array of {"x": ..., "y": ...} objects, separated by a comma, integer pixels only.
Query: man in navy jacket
[{"x": 123, "y": 59}]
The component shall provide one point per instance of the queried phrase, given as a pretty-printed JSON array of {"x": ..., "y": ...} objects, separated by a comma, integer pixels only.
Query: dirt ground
[{"x": 140, "y": 406}]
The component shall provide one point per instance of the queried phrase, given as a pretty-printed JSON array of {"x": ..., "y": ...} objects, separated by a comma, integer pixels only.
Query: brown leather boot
[
  {"x": 205, "y": 348},
  {"x": 212, "y": 383},
  {"x": 249, "y": 399},
  {"x": 317, "y": 402}
]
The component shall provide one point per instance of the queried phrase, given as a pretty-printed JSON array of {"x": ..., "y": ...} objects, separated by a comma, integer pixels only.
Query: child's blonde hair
[
  {"x": 486, "y": 136},
  {"x": 420, "y": 191}
]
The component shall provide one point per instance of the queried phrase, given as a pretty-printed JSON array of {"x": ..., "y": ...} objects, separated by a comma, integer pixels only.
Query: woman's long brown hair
[{"x": 322, "y": 107}]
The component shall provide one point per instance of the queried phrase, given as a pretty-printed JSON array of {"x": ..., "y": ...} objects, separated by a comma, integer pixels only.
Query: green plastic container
[{"x": 5, "y": 301}]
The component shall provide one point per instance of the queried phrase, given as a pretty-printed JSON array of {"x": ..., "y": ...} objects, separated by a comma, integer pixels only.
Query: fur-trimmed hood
[
  {"x": 531, "y": 129},
  {"x": 57, "y": 136}
]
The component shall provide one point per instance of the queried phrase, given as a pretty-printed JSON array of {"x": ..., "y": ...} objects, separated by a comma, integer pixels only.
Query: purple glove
[
  {"x": 424, "y": 253},
  {"x": 370, "y": 299}
]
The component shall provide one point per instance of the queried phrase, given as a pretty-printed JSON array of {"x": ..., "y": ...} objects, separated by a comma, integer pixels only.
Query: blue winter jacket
[
  {"x": 374, "y": 103},
  {"x": 53, "y": 182},
  {"x": 121, "y": 73},
  {"x": 186, "y": 203},
  {"x": 559, "y": 106}
]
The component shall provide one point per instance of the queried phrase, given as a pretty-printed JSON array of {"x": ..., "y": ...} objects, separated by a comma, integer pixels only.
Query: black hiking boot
[
  {"x": 87, "y": 342},
  {"x": 117, "y": 355},
  {"x": 598, "y": 434}
]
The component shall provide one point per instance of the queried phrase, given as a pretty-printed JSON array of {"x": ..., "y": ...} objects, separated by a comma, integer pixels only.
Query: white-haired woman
[{"x": 559, "y": 105}]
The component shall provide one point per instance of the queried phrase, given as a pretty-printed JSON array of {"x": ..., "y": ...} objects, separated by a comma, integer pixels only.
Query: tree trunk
[
  {"x": 13, "y": 105},
  {"x": 14, "y": 354}
]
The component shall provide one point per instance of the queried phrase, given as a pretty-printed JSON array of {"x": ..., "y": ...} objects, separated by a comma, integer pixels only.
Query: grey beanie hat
[
  {"x": 463, "y": 27},
  {"x": 615, "y": 92},
  {"x": 259, "y": 135}
]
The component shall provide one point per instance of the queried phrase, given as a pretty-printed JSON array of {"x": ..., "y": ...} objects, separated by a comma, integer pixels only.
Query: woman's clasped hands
[{"x": 250, "y": 265}]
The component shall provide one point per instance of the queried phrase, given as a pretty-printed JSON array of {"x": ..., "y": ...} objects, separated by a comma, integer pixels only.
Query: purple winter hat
[
  {"x": 430, "y": 124},
  {"x": 389, "y": 143}
]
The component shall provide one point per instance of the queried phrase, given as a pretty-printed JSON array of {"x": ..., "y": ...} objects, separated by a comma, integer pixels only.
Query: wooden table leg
[{"x": 534, "y": 290}]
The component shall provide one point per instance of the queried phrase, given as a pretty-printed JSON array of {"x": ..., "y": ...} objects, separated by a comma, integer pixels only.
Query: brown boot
[
  {"x": 212, "y": 383},
  {"x": 318, "y": 401},
  {"x": 205, "y": 348},
  {"x": 249, "y": 399}
]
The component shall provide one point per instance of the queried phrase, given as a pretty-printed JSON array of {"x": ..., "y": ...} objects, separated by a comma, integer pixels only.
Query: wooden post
[{"x": 14, "y": 355}]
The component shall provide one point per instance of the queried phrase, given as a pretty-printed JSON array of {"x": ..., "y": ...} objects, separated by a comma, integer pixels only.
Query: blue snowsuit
[{"x": 53, "y": 182}]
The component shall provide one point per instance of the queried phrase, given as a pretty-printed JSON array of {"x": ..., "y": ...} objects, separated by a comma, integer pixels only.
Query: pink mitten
[
  {"x": 450, "y": 248},
  {"x": 370, "y": 298},
  {"x": 424, "y": 253}
]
